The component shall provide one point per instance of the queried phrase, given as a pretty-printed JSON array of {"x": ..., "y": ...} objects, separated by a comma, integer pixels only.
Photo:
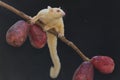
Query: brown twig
[{"x": 28, "y": 18}]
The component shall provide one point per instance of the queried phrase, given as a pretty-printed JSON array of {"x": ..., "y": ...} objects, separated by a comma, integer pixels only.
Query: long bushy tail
[{"x": 52, "y": 44}]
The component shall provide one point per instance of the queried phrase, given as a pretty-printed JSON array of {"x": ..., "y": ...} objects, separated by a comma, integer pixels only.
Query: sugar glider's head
[{"x": 56, "y": 12}]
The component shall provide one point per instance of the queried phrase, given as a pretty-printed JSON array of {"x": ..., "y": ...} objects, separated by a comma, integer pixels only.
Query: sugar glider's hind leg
[{"x": 52, "y": 44}]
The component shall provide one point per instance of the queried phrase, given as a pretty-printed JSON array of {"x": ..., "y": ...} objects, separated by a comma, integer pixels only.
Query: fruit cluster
[
  {"x": 85, "y": 71},
  {"x": 17, "y": 34}
]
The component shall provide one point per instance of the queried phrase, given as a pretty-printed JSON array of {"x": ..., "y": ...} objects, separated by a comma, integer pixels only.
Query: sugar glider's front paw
[
  {"x": 32, "y": 21},
  {"x": 46, "y": 28}
]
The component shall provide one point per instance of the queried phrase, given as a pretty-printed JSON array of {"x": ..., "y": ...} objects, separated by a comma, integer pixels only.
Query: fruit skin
[
  {"x": 37, "y": 36},
  {"x": 104, "y": 64},
  {"x": 17, "y": 33},
  {"x": 84, "y": 72}
]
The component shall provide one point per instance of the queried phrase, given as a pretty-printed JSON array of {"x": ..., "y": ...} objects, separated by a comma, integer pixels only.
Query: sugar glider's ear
[
  {"x": 59, "y": 7},
  {"x": 50, "y": 8}
]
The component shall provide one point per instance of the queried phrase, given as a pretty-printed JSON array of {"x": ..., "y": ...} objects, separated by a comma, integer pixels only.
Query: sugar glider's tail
[{"x": 52, "y": 44}]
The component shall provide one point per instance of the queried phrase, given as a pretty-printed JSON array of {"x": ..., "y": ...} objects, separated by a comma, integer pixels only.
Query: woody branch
[{"x": 28, "y": 18}]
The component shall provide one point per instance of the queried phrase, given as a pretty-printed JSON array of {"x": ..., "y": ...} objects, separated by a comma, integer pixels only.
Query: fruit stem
[{"x": 28, "y": 18}]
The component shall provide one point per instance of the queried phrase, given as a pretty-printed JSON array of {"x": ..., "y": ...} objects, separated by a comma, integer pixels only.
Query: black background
[{"x": 93, "y": 25}]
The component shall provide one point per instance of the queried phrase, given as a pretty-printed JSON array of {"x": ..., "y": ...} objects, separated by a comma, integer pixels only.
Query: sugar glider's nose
[{"x": 64, "y": 14}]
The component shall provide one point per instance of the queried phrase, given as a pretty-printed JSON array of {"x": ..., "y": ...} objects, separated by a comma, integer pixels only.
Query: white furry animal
[{"x": 52, "y": 18}]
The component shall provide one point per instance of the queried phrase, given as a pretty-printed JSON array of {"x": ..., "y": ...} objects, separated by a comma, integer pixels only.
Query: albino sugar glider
[{"x": 53, "y": 19}]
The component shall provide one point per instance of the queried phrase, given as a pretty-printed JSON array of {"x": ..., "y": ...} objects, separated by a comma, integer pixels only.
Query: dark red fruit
[
  {"x": 84, "y": 72},
  {"x": 37, "y": 36},
  {"x": 104, "y": 64},
  {"x": 17, "y": 33}
]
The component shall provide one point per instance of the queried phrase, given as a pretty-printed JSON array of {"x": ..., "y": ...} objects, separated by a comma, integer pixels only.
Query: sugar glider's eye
[{"x": 58, "y": 10}]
